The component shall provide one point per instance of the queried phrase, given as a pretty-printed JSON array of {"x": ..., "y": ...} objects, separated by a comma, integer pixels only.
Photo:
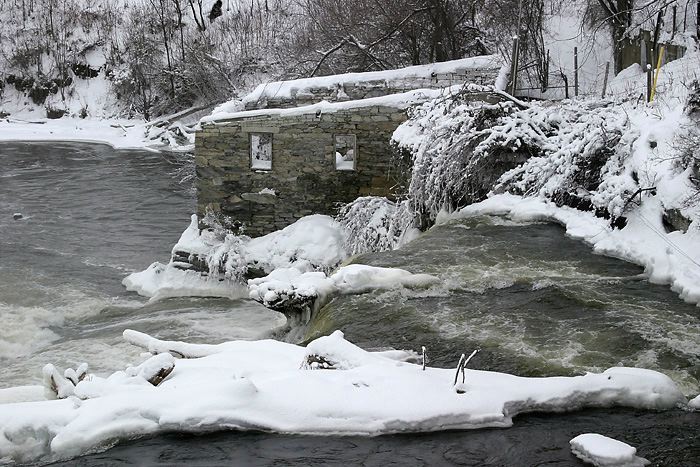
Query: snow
[
  {"x": 286, "y": 284},
  {"x": 315, "y": 242},
  {"x": 273, "y": 386},
  {"x": 193, "y": 241},
  {"x": 160, "y": 281},
  {"x": 118, "y": 133},
  {"x": 374, "y": 223},
  {"x": 312, "y": 242},
  {"x": 398, "y": 101},
  {"x": 695, "y": 403},
  {"x": 602, "y": 451},
  {"x": 341, "y": 163},
  {"x": 674, "y": 78},
  {"x": 288, "y": 89}
]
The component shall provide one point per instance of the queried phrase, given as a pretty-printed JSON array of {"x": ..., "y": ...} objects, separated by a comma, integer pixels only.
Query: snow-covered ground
[
  {"x": 330, "y": 386},
  {"x": 28, "y": 122}
]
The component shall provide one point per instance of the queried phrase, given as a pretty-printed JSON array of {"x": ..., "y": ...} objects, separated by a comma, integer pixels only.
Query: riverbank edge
[{"x": 119, "y": 134}]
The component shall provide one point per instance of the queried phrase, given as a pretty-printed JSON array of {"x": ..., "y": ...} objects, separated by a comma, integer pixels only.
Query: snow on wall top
[
  {"x": 289, "y": 89},
  {"x": 231, "y": 111}
]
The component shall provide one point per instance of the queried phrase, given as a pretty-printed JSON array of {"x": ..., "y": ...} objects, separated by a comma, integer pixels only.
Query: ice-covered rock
[{"x": 602, "y": 451}]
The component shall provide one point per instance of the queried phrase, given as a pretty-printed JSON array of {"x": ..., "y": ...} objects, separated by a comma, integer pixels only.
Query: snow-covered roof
[
  {"x": 398, "y": 101},
  {"x": 286, "y": 89}
]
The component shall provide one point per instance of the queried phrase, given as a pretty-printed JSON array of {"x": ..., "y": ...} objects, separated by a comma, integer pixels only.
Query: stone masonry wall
[
  {"x": 303, "y": 171},
  {"x": 375, "y": 88}
]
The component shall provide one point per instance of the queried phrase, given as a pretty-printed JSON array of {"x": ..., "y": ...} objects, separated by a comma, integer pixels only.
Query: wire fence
[{"x": 674, "y": 77}]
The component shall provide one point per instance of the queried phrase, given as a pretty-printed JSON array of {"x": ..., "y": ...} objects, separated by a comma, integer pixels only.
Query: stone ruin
[{"x": 305, "y": 146}]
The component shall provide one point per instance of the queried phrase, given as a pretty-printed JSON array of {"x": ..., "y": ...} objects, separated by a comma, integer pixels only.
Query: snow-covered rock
[
  {"x": 288, "y": 290},
  {"x": 267, "y": 385},
  {"x": 602, "y": 451},
  {"x": 312, "y": 243},
  {"x": 160, "y": 281},
  {"x": 695, "y": 403}
]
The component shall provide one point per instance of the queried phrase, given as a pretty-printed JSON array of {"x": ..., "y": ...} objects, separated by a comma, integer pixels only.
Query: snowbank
[
  {"x": 602, "y": 451},
  {"x": 668, "y": 258},
  {"x": 312, "y": 242},
  {"x": 115, "y": 132},
  {"x": 273, "y": 386}
]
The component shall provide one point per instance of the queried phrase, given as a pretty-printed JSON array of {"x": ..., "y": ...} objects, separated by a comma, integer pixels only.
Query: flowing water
[
  {"x": 91, "y": 215},
  {"x": 535, "y": 302}
]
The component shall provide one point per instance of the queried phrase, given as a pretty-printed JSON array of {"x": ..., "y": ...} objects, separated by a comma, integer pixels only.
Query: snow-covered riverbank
[
  {"x": 171, "y": 133},
  {"x": 668, "y": 258},
  {"x": 118, "y": 133},
  {"x": 330, "y": 386}
]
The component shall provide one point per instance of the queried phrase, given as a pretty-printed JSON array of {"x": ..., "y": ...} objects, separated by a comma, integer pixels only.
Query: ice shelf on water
[
  {"x": 602, "y": 451},
  {"x": 329, "y": 387}
]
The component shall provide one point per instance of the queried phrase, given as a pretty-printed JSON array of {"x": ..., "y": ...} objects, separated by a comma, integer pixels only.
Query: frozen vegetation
[{"x": 259, "y": 385}]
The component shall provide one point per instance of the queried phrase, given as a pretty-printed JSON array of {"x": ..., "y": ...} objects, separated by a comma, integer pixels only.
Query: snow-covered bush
[
  {"x": 573, "y": 154},
  {"x": 582, "y": 160},
  {"x": 460, "y": 148},
  {"x": 374, "y": 223}
]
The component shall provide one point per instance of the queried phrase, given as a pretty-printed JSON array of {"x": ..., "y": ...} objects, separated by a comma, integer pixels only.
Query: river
[{"x": 535, "y": 302}]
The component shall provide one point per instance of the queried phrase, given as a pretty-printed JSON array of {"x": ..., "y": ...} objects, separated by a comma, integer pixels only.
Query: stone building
[{"x": 304, "y": 146}]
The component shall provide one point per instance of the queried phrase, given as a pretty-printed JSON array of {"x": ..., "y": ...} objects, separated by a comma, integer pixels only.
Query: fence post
[
  {"x": 605, "y": 80},
  {"x": 675, "y": 8},
  {"x": 576, "y": 71},
  {"x": 514, "y": 66},
  {"x": 648, "y": 82},
  {"x": 566, "y": 83}
]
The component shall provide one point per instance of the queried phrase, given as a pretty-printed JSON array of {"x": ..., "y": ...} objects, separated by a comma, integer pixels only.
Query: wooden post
[
  {"x": 605, "y": 79},
  {"x": 566, "y": 83},
  {"x": 648, "y": 82},
  {"x": 576, "y": 71},
  {"x": 514, "y": 66},
  {"x": 656, "y": 75},
  {"x": 675, "y": 11},
  {"x": 545, "y": 74}
]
